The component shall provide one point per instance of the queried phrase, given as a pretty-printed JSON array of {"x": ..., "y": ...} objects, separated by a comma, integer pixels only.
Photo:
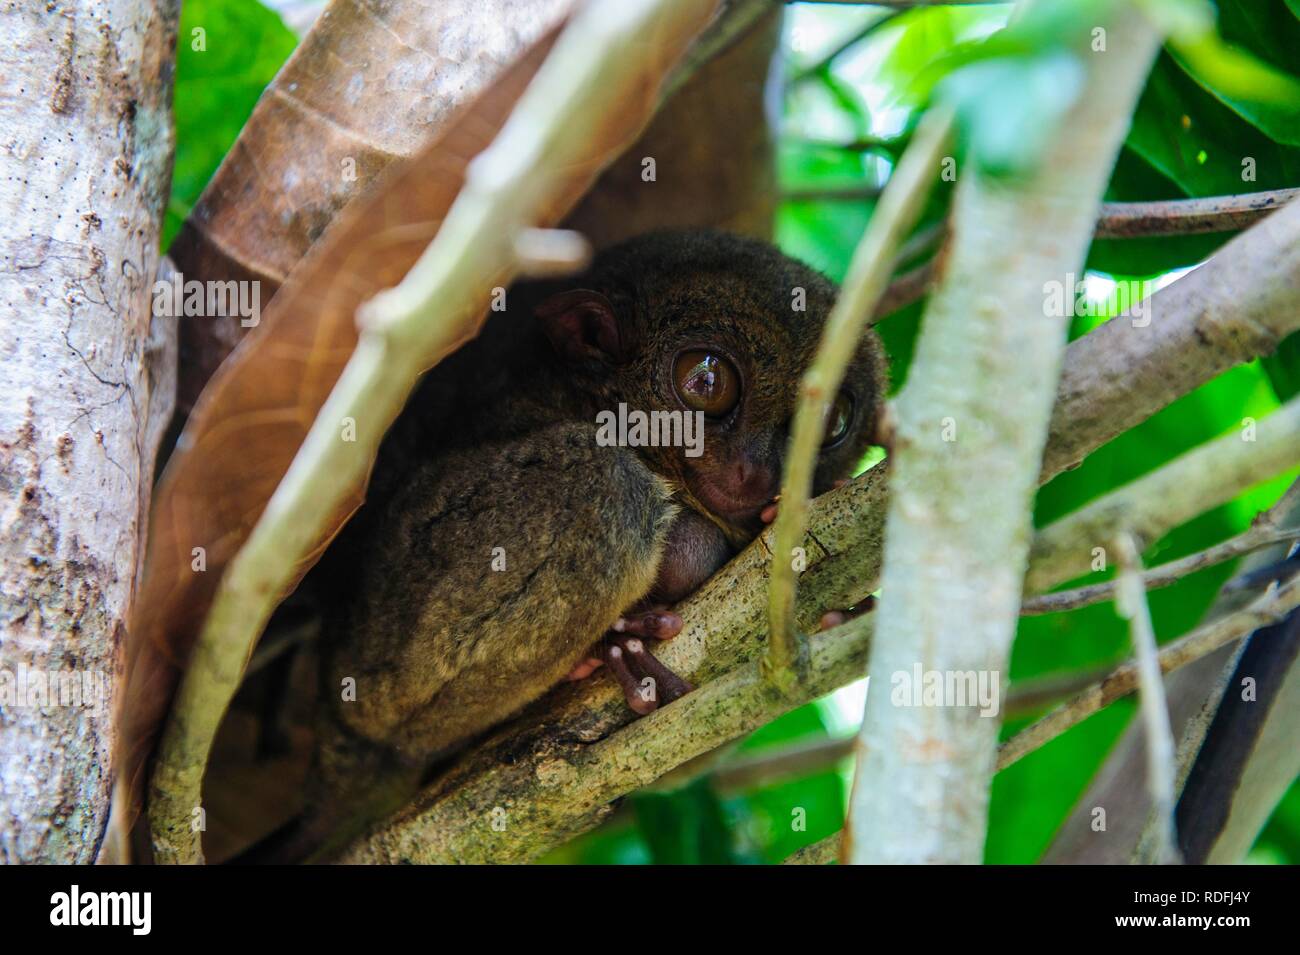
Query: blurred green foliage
[
  {"x": 1217, "y": 117},
  {"x": 226, "y": 53}
]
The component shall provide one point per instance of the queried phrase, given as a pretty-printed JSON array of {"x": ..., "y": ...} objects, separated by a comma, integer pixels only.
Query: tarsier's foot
[{"x": 647, "y": 684}]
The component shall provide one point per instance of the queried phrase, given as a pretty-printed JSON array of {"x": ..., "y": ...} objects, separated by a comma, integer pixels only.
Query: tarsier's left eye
[
  {"x": 706, "y": 382},
  {"x": 838, "y": 420}
]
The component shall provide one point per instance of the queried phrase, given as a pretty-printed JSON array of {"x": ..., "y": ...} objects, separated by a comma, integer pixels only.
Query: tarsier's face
[
  {"x": 744, "y": 388},
  {"x": 721, "y": 331}
]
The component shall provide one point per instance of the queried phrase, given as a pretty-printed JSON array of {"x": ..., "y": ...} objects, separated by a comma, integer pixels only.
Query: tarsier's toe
[
  {"x": 655, "y": 624},
  {"x": 833, "y": 618},
  {"x": 646, "y": 683}
]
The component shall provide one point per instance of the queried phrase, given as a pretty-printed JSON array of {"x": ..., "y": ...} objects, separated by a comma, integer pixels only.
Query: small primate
[{"x": 504, "y": 547}]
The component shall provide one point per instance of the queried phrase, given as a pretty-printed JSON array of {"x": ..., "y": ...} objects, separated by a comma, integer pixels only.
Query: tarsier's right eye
[
  {"x": 838, "y": 420},
  {"x": 706, "y": 382}
]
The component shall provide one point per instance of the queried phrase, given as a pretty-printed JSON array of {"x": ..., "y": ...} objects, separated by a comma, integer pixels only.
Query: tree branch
[
  {"x": 1191, "y": 484},
  {"x": 1131, "y": 603},
  {"x": 1118, "y": 220},
  {"x": 823, "y": 852},
  {"x": 87, "y": 385},
  {"x": 1193, "y": 693},
  {"x": 1235, "y": 307},
  {"x": 512, "y": 811},
  {"x": 1267, "y": 529},
  {"x": 1131, "y": 220}
]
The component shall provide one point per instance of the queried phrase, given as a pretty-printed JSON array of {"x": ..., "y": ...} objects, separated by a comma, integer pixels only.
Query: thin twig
[
  {"x": 1258, "y": 535},
  {"x": 868, "y": 274},
  {"x": 1134, "y": 220},
  {"x": 764, "y": 769},
  {"x": 1123, "y": 680},
  {"x": 905, "y": 289},
  {"x": 834, "y": 193},
  {"x": 1190, "y": 484},
  {"x": 1132, "y": 605},
  {"x": 802, "y": 759},
  {"x": 1128, "y": 220},
  {"x": 862, "y": 144}
]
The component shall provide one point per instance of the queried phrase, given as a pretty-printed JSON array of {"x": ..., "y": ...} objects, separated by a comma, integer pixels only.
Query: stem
[
  {"x": 1132, "y": 605},
  {"x": 1253, "y": 538},
  {"x": 869, "y": 270}
]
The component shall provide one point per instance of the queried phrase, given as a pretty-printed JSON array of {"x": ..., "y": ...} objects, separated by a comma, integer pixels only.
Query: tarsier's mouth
[{"x": 739, "y": 520}]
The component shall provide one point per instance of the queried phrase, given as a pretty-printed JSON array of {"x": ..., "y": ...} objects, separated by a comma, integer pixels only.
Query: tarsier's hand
[{"x": 647, "y": 684}]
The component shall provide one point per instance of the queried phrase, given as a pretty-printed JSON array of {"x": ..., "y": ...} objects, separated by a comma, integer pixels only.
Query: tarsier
[{"x": 504, "y": 548}]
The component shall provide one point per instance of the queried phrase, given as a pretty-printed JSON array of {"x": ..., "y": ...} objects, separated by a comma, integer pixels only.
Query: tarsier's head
[{"x": 725, "y": 326}]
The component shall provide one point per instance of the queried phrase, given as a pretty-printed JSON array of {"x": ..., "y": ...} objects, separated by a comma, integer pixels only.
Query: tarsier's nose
[{"x": 754, "y": 481}]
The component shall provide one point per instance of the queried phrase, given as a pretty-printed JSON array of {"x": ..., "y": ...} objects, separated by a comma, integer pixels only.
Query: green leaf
[
  {"x": 1192, "y": 139},
  {"x": 1135, "y": 180},
  {"x": 226, "y": 53},
  {"x": 1267, "y": 98},
  {"x": 685, "y": 827}
]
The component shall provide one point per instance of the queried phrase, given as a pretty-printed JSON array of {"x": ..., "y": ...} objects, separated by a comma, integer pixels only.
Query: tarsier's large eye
[
  {"x": 838, "y": 420},
  {"x": 707, "y": 382}
]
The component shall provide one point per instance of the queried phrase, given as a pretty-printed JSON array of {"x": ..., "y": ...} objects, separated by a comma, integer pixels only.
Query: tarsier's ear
[{"x": 582, "y": 326}]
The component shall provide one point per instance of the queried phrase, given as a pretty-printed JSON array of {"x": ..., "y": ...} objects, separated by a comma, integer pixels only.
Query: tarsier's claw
[
  {"x": 658, "y": 624},
  {"x": 833, "y": 618},
  {"x": 646, "y": 683}
]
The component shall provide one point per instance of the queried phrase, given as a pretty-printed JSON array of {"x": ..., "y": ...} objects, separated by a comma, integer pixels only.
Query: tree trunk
[{"x": 87, "y": 382}]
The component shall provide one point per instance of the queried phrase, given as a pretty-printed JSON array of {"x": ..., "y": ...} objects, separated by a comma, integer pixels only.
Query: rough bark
[{"x": 87, "y": 382}]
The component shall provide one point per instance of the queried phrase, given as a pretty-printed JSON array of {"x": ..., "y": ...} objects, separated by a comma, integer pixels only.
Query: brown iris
[
  {"x": 706, "y": 382},
  {"x": 838, "y": 421}
]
